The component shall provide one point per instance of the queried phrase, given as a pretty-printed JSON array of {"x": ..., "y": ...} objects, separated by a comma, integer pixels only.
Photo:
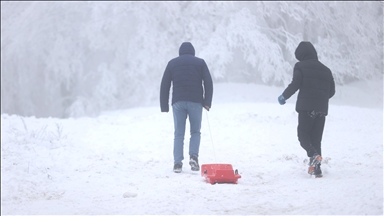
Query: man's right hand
[{"x": 281, "y": 100}]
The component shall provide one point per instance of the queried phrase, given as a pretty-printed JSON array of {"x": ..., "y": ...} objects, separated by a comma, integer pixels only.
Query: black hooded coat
[
  {"x": 313, "y": 79},
  {"x": 188, "y": 74}
]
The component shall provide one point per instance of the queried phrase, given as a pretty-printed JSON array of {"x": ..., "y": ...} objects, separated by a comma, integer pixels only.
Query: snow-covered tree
[{"x": 68, "y": 59}]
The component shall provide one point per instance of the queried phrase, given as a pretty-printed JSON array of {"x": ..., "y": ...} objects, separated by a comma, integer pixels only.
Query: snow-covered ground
[{"x": 121, "y": 162}]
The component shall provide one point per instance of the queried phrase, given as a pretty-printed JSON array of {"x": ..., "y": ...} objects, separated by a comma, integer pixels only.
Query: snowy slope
[{"x": 121, "y": 162}]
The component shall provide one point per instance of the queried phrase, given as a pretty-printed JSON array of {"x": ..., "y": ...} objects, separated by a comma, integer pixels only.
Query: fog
[{"x": 72, "y": 59}]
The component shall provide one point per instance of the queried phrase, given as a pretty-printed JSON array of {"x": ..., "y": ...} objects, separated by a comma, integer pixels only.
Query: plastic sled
[{"x": 219, "y": 173}]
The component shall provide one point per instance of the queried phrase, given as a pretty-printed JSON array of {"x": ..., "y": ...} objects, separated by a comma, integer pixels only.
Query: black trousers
[{"x": 310, "y": 131}]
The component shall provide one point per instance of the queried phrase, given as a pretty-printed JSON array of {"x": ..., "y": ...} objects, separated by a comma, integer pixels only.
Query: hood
[
  {"x": 305, "y": 51},
  {"x": 187, "y": 48}
]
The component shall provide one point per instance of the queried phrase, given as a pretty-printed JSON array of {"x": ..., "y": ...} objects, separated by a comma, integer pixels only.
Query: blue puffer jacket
[{"x": 188, "y": 75}]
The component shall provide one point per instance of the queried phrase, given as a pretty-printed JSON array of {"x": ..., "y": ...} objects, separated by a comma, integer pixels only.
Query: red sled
[{"x": 219, "y": 173}]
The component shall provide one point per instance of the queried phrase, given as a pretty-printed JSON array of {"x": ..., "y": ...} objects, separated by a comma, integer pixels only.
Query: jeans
[{"x": 194, "y": 111}]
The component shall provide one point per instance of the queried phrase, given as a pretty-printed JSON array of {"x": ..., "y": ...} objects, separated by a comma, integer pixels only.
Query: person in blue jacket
[
  {"x": 316, "y": 86},
  {"x": 192, "y": 90}
]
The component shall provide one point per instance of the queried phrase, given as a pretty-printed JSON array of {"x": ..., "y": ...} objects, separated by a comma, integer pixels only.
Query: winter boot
[
  {"x": 194, "y": 163},
  {"x": 313, "y": 161},
  {"x": 317, "y": 172},
  {"x": 177, "y": 168}
]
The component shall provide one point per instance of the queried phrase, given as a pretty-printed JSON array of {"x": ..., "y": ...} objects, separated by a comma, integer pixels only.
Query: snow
[{"x": 121, "y": 161}]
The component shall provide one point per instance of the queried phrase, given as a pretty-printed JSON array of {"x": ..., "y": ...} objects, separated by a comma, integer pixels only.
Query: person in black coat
[
  {"x": 192, "y": 90},
  {"x": 316, "y": 86}
]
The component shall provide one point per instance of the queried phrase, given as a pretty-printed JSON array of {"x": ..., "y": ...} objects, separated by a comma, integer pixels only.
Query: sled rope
[{"x": 209, "y": 127}]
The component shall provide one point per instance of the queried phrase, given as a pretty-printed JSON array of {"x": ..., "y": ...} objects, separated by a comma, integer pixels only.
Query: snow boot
[
  {"x": 194, "y": 163},
  {"x": 177, "y": 168},
  {"x": 317, "y": 171},
  {"x": 313, "y": 161}
]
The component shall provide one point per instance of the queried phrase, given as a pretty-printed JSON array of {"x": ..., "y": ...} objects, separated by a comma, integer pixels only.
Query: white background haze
[{"x": 71, "y": 59}]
